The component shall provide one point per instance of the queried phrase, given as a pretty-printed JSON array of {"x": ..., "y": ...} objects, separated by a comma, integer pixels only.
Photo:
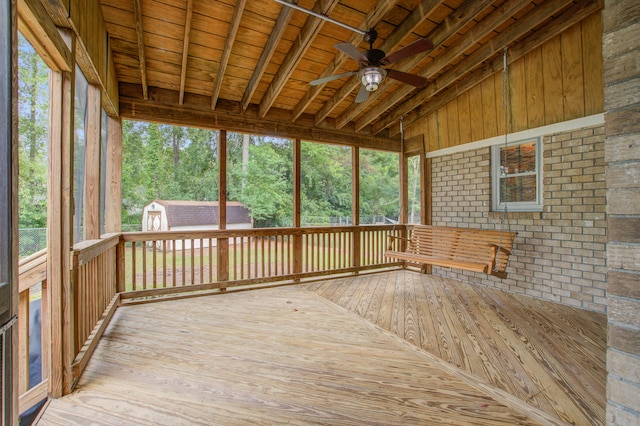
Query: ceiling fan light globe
[{"x": 371, "y": 77}]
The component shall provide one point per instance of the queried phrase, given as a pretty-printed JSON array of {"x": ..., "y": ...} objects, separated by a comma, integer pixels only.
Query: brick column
[{"x": 621, "y": 49}]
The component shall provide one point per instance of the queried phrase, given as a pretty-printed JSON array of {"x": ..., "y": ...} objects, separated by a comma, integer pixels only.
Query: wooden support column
[
  {"x": 223, "y": 243},
  {"x": 425, "y": 196},
  {"x": 59, "y": 225},
  {"x": 355, "y": 204},
  {"x": 92, "y": 165},
  {"x": 425, "y": 189},
  {"x": 404, "y": 188},
  {"x": 113, "y": 197},
  {"x": 297, "y": 238}
]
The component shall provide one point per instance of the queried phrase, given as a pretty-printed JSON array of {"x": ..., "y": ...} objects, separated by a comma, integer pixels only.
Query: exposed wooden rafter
[
  {"x": 475, "y": 60},
  {"x": 137, "y": 8},
  {"x": 399, "y": 34},
  {"x": 231, "y": 38},
  {"x": 370, "y": 21},
  {"x": 185, "y": 48},
  {"x": 255, "y": 57},
  {"x": 311, "y": 28},
  {"x": 267, "y": 54},
  {"x": 570, "y": 17},
  {"x": 438, "y": 36},
  {"x": 196, "y": 113},
  {"x": 498, "y": 17}
]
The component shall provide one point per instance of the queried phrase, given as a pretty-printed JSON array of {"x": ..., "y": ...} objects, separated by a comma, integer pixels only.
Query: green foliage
[
  {"x": 164, "y": 162},
  {"x": 33, "y": 108}
]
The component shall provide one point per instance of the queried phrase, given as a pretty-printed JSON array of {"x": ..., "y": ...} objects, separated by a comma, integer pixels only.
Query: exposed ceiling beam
[
  {"x": 185, "y": 48},
  {"x": 477, "y": 59},
  {"x": 137, "y": 11},
  {"x": 196, "y": 112},
  {"x": 267, "y": 54},
  {"x": 403, "y": 30},
  {"x": 308, "y": 32},
  {"x": 372, "y": 19},
  {"x": 36, "y": 25},
  {"x": 440, "y": 34},
  {"x": 231, "y": 38},
  {"x": 576, "y": 13}
]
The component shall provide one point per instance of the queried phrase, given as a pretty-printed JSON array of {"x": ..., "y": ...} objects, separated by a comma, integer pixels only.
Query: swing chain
[{"x": 505, "y": 108}]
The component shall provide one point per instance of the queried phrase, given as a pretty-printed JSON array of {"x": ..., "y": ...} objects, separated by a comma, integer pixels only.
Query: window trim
[{"x": 524, "y": 206}]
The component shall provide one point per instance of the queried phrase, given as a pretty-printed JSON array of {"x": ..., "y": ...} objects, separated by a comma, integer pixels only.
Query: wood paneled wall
[
  {"x": 558, "y": 81},
  {"x": 93, "y": 53}
]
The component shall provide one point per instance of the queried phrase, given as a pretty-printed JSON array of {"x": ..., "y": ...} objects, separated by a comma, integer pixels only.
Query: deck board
[
  {"x": 548, "y": 355},
  {"x": 390, "y": 348}
]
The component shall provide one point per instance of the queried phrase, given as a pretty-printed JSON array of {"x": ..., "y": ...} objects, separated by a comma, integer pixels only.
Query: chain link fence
[{"x": 31, "y": 240}]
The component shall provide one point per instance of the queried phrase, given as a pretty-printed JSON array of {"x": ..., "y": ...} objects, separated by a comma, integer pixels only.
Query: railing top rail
[
  {"x": 35, "y": 257},
  {"x": 32, "y": 270},
  {"x": 252, "y": 232},
  {"x": 84, "y": 251}
]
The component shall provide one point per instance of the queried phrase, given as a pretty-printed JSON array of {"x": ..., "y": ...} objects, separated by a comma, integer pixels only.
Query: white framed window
[{"x": 516, "y": 176}]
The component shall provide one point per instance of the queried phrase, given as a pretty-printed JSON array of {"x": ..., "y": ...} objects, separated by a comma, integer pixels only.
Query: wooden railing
[
  {"x": 133, "y": 265},
  {"x": 32, "y": 287},
  {"x": 167, "y": 262},
  {"x": 95, "y": 299}
]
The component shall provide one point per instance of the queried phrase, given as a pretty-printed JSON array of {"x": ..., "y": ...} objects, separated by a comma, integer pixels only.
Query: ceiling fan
[{"x": 372, "y": 61}]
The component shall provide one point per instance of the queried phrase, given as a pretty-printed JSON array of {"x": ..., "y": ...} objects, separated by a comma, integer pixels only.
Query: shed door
[{"x": 153, "y": 221}]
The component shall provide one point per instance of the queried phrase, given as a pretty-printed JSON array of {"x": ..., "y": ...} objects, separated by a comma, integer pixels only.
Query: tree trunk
[{"x": 245, "y": 157}]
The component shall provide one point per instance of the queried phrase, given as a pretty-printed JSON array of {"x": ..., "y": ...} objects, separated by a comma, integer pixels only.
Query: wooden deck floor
[{"x": 390, "y": 348}]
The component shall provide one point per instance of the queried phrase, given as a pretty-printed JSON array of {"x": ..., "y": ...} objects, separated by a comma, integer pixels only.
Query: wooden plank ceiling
[{"x": 245, "y": 65}]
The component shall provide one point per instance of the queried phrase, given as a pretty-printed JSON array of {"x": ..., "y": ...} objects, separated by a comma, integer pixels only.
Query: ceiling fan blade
[
  {"x": 331, "y": 78},
  {"x": 418, "y": 46},
  {"x": 362, "y": 95},
  {"x": 412, "y": 79},
  {"x": 352, "y": 51}
]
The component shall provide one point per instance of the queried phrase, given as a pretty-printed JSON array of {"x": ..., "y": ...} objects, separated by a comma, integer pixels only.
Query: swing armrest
[{"x": 502, "y": 249}]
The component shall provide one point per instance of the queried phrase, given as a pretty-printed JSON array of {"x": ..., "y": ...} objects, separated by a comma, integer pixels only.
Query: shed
[{"x": 181, "y": 215}]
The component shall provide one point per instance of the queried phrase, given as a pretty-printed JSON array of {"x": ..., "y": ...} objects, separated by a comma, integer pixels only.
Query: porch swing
[{"x": 477, "y": 250}]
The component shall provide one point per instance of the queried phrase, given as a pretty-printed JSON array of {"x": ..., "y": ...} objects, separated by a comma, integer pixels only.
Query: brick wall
[
  {"x": 559, "y": 253},
  {"x": 621, "y": 50}
]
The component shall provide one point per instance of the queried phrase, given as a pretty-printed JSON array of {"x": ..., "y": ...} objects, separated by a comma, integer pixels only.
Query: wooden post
[
  {"x": 223, "y": 243},
  {"x": 297, "y": 238},
  {"x": 355, "y": 204},
  {"x": 425, "y": 195},
  {"x": 113, "y": 197},
  {"x": 92, "y": 165},
  {"x": 404, "y": 198},
  {"x": 120, "y": 266},
  {"x": 59, "y": 224},
  {"x": 425, "y": 190}
]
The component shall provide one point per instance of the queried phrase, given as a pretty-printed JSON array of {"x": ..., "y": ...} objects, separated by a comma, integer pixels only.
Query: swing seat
[{"x": 477, "y": 250}]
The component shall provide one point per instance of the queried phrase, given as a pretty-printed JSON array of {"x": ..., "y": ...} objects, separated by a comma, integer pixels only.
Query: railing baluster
[
  {"x": 164, "y": 263},
  {"x": 133, "y": 265},
  {"x": 193, "y": 263}
]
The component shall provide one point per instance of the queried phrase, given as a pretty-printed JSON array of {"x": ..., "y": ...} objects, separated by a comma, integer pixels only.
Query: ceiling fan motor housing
[{"x": 371, "y": 77}]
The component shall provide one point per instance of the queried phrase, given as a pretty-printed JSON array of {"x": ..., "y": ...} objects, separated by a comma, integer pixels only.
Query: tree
[{"x": 33, "y": 109}]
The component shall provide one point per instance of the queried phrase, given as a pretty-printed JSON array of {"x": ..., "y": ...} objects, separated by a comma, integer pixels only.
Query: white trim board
[{"x": 578, "y": 123}]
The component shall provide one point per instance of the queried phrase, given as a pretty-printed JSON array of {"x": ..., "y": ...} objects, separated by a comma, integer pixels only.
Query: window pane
[
  {"x": 325, "y": 184},
  {"x": 518, "y": 189},
  {"x": 259, "y": 174},
  {"x": 379, "y": 187},
  {"x": 104, "y": 144},
  {"x": 79, "y": 148},
  {"x": 518, "y": 158},
  {"x": 415, "y": 206}
]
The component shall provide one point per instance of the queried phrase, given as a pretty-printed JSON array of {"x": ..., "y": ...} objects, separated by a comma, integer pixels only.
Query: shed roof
[{"x": 190, "y": 213}]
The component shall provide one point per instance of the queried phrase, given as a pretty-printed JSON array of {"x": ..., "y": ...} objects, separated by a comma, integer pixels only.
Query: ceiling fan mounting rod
[{"x": 321, "y": 16}]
